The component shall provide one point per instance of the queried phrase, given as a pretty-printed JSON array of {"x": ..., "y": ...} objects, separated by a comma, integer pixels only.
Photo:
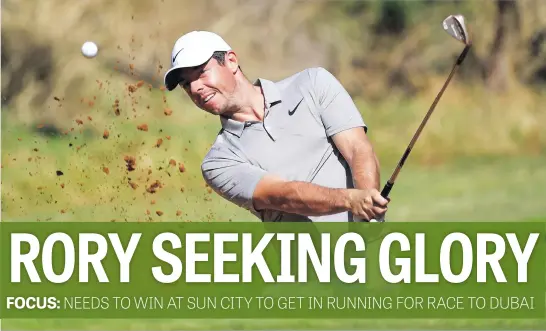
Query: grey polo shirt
[{"x": 302, "y": 113}]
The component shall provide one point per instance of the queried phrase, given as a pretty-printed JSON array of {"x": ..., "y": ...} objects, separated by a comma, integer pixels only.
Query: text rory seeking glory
[{"x": 476, "y": 255}]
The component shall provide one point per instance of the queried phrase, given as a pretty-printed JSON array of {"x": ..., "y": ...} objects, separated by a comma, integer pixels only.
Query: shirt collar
[
  {"x": 272, "y": 96},
  {"x": 232, "y": 126},
  {"x": 271, "y": 91}
]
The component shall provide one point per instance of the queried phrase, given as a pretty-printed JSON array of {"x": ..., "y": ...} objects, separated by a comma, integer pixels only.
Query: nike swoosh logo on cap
[{"x": 174, "y": 57}]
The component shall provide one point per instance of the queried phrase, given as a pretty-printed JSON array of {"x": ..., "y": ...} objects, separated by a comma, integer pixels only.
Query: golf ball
[{"x": 89, "y": 49}]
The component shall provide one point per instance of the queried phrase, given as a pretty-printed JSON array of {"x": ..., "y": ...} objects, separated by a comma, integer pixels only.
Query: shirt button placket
[{"x": 263, "y": 123}]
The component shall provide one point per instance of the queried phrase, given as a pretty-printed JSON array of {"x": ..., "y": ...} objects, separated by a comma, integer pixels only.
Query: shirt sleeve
[
  {"x": 337, "y": 109},
  {"x": 231, "y": 177}
]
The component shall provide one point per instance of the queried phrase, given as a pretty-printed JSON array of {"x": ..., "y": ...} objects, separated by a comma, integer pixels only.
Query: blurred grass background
[{"x": 481, "y": 156}]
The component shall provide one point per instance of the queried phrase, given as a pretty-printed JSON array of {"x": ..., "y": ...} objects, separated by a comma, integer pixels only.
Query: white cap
[{"x": 191, "y": 50}]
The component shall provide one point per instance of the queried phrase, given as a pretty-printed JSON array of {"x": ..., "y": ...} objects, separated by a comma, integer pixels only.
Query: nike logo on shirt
[{"x": 294, "y": 110}]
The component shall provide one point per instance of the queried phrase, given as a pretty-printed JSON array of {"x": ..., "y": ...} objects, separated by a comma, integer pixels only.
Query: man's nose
[{"x": 196, "y": 86}]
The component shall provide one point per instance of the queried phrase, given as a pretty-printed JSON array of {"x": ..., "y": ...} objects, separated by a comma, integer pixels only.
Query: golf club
[{"x": 455, "y": 26}]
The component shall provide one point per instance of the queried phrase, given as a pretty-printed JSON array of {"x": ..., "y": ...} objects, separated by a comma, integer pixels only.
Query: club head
[{"x": 455, "y": 26}]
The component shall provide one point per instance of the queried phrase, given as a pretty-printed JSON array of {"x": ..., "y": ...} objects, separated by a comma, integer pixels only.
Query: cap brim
[{"x": 171, "y": 78}]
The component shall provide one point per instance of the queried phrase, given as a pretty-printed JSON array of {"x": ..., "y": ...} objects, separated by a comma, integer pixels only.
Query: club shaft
[{"x": 390, "y": 183}]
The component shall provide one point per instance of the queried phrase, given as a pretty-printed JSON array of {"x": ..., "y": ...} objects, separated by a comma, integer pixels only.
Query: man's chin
[{"x": 213, "y": 111}]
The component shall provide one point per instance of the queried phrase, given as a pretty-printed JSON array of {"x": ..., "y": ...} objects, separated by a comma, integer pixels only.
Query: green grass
[
  {"x": 477, "y": 188},
  {"x": 429, "y": 324}
]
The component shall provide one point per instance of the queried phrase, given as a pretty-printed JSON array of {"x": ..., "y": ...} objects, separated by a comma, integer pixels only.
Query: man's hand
[{"x": 367, "y": 204}]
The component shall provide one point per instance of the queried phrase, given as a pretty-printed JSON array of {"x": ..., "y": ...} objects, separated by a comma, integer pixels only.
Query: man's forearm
[
  {"x": 305, "y": 199},
  {"x": 365, "y": 169}
]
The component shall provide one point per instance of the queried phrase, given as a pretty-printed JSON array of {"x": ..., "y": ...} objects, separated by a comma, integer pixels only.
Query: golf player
[{"x": 295, "y": 150}]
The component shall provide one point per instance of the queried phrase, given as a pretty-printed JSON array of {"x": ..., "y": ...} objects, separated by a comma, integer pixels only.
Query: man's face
[{"x": 210, "y": 86}]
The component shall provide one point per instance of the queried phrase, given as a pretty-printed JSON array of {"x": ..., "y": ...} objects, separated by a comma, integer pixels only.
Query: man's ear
[{"x": 232, "y": 62}]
